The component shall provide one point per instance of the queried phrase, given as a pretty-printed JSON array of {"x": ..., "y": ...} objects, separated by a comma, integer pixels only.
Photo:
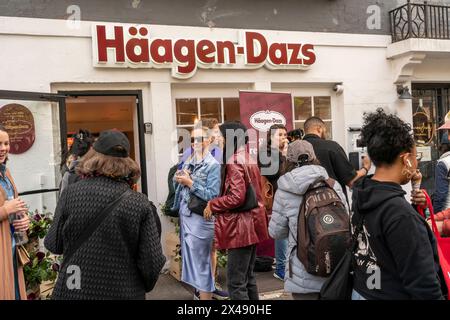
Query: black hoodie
[{"x": 399, "y": 260}]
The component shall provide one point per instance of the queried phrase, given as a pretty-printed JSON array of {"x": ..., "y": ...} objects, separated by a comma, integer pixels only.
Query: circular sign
[
  {"x": 263, "y": 120},
  {"x": 19, "y": 123}
]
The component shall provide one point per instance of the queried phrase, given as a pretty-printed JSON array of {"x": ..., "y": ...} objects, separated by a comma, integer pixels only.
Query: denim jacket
[{"x": 206, "y": 180}]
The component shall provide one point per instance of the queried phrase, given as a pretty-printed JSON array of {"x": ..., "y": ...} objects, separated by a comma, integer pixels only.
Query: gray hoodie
[{"x": 283, "y": 223}]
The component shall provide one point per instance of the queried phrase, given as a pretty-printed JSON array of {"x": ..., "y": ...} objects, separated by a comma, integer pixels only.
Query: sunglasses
[{"x": 198, "y": 139}]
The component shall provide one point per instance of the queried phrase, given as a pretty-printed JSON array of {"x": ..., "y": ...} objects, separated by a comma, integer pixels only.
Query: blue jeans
[{"x": 280, "y": 256}]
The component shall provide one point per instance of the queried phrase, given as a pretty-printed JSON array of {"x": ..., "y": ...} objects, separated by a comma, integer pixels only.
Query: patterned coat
[{"x": 122, "y": 258}]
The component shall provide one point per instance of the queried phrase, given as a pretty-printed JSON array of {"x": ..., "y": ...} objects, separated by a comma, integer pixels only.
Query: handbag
[
  {"x": 22, "y": 255},
  {"x": 443, "y": 244},
  {"x": 339, "y": 285},
  {"x": 197, "y": 205},
  {"x": 251, "y": 201}
]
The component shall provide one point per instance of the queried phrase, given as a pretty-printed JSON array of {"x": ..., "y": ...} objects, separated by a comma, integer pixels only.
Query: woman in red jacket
[{"x": 239, "y": 232}]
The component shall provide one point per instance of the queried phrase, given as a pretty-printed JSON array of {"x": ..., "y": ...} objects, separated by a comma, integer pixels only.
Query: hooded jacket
[
  {"x": 396, "y": 257},
  {"x": 283, "y": 223}
]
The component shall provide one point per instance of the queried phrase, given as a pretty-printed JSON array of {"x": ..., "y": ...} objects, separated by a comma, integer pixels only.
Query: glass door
[
  {"x": 430, "y": 106},
  {"x": 33, "y": 122}
]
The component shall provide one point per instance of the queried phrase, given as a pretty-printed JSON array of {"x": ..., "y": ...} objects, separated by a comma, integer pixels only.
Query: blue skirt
[{"x": 196, "y": 236}]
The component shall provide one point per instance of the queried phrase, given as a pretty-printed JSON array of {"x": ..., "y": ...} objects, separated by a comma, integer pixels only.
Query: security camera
[{"x": 338, "y": 88}]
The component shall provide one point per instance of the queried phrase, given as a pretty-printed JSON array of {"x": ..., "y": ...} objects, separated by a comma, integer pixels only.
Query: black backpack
[
  {"x": 323, "y": 231},
  {"x": 171, "y": 197}
]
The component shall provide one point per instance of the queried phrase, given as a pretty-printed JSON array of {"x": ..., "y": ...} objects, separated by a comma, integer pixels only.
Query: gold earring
[{"x": 407, "y": 173}]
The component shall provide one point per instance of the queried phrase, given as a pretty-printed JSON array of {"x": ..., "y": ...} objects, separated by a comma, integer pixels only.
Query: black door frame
[{"x": 140, "y": 119}]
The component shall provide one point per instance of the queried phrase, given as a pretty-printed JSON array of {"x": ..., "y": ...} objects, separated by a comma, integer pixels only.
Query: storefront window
[
  {"x": 190, "y": 110},
  {"x": 231, "y": 109},
  {"x": 210, "y": 108},
  {"x": 187, "y": 111},
  {"x": 322, "y": 107},
  {"x": 305, "y": 107}
]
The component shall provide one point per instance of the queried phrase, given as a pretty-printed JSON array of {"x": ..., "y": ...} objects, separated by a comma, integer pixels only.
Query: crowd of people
[{"x": 274, "y": 205}]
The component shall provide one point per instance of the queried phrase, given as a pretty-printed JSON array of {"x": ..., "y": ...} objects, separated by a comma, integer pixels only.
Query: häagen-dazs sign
[
  {"x": 133, "y": 46},
  {"x": 19, "y": 123},
  {"x": 263, "y": 120}
]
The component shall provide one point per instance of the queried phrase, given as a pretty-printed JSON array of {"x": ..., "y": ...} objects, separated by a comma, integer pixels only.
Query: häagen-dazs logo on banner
[{"x": 263, "y": 120}]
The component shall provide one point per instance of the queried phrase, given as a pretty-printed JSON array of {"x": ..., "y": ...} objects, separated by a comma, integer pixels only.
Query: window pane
[
  {"x": 184, "y": 138},
  {"x": 302, "y": 107},
  {"x": 210, "y": 108},
  {"x": 322, "y": 107},
  {"x": 329, "y": 126},
  {"x": 231, "y": 109},
  {"x": 299, "y": 125},
  {"x": 187, "y": 111}
]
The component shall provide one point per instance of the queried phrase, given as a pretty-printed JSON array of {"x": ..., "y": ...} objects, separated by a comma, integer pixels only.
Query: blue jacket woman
[{"x": 200, "y": 176}]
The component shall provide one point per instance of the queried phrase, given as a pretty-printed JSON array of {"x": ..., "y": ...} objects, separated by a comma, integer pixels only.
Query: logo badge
[{"x": 328, "y": 219}]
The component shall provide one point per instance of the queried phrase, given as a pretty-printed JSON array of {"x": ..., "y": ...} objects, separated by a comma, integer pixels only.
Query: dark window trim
[{"x": 140, "y": 118}]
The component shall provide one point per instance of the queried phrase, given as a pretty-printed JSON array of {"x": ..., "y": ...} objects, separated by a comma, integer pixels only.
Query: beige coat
[{"x": 6, "y": 263}]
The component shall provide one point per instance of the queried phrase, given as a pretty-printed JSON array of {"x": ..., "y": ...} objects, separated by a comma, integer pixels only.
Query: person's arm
[
  {"x": 279, "y": 222},
  {"x": 413, "y": 254},
  {"x": 54, "y": 239},
  {"x": 212, "y": 187},
  {"x": 235, "y": 193},
  {"x": 441, "y": 187},
  {"x": 150, "y": 258},
  {"x": 344, "y": 169}
]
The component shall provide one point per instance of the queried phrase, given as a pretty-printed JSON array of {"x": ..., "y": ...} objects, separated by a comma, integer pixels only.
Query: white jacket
[{"x": 283, "y": 223}]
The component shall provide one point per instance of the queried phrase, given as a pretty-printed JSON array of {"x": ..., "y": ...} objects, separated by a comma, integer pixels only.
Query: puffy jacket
[
  {"x": 283, "y": 223},
  {"x": 241, "y": 229}
]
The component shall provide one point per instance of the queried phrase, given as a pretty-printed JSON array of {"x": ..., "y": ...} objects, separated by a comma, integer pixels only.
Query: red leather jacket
[{"x": 237, "y": 230}]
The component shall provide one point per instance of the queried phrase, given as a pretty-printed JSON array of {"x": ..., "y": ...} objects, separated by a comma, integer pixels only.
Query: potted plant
[{"x": 43, "y": 266}]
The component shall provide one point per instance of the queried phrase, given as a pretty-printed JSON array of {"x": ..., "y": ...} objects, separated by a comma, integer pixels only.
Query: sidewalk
[{"x": 168, "y": 288}]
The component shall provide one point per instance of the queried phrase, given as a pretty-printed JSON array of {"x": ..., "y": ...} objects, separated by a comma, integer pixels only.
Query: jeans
[
  {"x": 280, "y": 256},
  {"x": 241, "y": 279}
]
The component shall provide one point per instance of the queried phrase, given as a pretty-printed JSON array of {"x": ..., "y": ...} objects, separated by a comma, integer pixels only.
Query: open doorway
[{"x": 97, "y": 112}]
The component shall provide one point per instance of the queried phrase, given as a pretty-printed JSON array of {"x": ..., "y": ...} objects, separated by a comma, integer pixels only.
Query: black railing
[{"x": 413, "y": 20}]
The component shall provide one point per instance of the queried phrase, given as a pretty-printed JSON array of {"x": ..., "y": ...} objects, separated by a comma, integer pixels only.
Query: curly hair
[{"x": 386, "y": 136}]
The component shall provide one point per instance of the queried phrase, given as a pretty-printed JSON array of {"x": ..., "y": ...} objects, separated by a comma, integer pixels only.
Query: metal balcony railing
[{"x": 413, "y": 20}]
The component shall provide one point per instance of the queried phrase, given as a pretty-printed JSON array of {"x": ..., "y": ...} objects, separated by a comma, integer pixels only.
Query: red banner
[{"x": 261, "y": 110}]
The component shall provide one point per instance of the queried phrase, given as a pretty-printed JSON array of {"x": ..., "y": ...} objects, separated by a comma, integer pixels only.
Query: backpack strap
[
  {"x": 87, "y": 233},
  {"x": 330, "y": 182}
]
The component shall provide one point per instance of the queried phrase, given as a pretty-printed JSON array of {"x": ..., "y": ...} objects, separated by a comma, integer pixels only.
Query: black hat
[{"x": 109, "y": 140}]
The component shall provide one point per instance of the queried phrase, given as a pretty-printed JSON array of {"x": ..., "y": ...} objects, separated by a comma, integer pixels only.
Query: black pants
[{"x": 241, "y": 279}]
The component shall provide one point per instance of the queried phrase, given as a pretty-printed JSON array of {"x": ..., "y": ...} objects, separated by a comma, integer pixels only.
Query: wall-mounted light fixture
[{"x": 403, "y": 92}]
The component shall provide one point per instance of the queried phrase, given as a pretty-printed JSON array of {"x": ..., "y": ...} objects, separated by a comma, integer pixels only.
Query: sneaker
[
  {"x": 196, "y": 294},
  {"x": 220, "y": 295},
  {"x": 278, "y": 276}
]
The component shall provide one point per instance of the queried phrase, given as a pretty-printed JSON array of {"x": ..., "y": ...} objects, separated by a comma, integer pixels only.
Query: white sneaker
[{"x": 277, "y": 276}]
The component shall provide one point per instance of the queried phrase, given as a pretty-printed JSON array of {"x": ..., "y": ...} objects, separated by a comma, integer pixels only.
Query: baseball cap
[
  {"x": 298, "y": 148},
  {"x": 109, "y": 140}
]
